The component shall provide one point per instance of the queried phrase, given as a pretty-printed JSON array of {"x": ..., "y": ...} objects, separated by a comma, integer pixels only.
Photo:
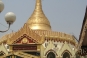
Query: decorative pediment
[
  {"x": 25, "y": 40},
  {"x": 30, "y": 34}
]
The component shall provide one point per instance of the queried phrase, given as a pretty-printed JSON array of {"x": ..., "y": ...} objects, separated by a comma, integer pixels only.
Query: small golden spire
[{"x": 38, "y": 20}]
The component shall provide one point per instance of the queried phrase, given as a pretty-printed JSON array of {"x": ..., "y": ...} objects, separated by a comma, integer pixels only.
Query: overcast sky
[{"x": 64, "y": 15}]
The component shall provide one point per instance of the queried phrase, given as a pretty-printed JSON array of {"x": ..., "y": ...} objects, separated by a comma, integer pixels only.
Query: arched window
[
  {"x": 66, "y": 55},
  {"x": 51, "y": 55}
]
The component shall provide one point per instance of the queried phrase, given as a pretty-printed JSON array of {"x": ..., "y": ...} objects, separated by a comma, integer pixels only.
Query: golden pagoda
[
  {"x": 38, "y": 20},
  {"x": 36, "y": 40}
]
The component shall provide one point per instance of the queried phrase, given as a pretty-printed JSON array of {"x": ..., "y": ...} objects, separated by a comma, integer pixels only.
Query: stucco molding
[
  {"x": 67, "y": 52},
  {"x": 51, "y": 50}
]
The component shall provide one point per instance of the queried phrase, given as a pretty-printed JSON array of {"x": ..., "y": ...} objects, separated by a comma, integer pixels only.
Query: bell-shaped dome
[{"x": 38, "y": 20}]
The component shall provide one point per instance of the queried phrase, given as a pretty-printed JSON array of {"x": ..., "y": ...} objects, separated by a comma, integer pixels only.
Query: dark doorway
[
  {"x": 51, "y": 55},
  {"x": 66, "y": 55},
  {"x": 18, "y": 57},
  {"x": 14, "y": 56},
  {"x": 34, "y": 53},
  {"x": 77, "y": 55}
]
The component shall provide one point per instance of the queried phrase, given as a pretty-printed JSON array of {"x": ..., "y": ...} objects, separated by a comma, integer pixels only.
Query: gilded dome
[{"x": 38, "y": 20}]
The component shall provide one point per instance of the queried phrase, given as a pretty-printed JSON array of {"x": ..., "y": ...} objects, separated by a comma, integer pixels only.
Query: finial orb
[
  {"x": 10, "y": 17},
  {"x": 1, "y": 6}
]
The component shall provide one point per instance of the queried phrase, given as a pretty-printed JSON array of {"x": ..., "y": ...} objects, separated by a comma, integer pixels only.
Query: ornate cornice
[
  {"x": 51, "y": 51},
  {"x": 59, "y": 36},
  {"x": 66, "y": 51},
  {"x": 39, "y": 35},
  {"x": 5, "y": 38}
]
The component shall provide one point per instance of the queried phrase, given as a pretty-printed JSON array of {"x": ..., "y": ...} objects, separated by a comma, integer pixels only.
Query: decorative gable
[
  {"x": 27, "y": 33},
  {"x": 25, "y": 40},
  {"x": 66, "y": 48}
]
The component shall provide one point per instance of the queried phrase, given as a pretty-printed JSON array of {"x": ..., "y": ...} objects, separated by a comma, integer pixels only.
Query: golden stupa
[
  {"x": 36, "y": 39},
  {"x": 38, "y": 20}
]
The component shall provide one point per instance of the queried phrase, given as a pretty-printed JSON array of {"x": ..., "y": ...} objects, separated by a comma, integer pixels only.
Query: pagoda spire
[
  {"x": 38, "y": 20},
  {"x": 38, "y": 5}
]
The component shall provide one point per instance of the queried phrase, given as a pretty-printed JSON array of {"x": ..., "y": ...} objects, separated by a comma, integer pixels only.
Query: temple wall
[
  {"x": 3, "y": 48},
  {"x": 59, "y": 50}
]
